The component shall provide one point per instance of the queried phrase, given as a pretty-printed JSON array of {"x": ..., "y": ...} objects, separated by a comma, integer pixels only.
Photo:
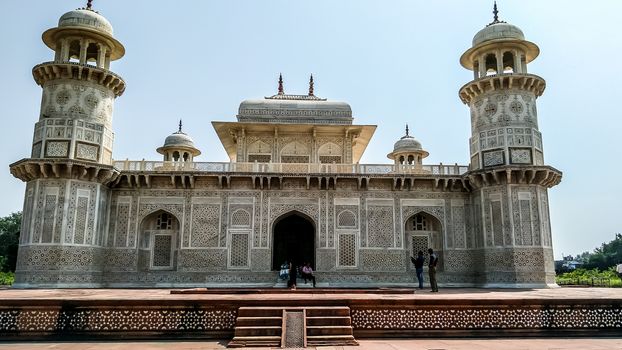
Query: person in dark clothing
[
  {"x": 419, "y": 261},
  {"x": 432, "y": 270},
  {"x": 293, "y": 274}
]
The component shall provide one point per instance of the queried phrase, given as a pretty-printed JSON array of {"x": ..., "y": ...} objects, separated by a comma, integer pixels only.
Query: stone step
[
  {"x": 328, "y": 311},
  {"x": 259, "y": 321},
  {"x": 258, "y": 331},
  {"x": 331, "y": 340},
  {"x": 250, "y": 341},
  {"x": 260, "y": 312},
  {"x": 328, "y": 330},
  {"x": 329, "y": 321}
]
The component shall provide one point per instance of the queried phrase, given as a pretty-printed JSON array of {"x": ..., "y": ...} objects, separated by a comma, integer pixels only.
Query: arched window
[
  {"x": 346, "y": 218},
  {"x": 74, "y": 51},
  {"x": 423, "y": 231},
  {"x": 175, "y": 156},
  {"x": 159, "y": 240},
  {"x": 241, "y": 218},
  {"x": 186, "y": 156},
  {"x": 411, "y": 159},
  {"x": 491, "y": 64},
  {"x": 508, "y": 62},
  {"x": 92, "y": 53},
  {"x": 401, "y": 159}
]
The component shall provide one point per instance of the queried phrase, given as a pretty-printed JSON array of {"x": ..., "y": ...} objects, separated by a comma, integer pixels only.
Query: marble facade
[{"x": 91, "y": 221}]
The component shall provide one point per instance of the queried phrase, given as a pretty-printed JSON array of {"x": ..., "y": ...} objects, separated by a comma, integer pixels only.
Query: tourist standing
[
  {"x": 292, "y": 276},
  {"x": 432, "y": 269},
  {"x": 419, "y": 261}
]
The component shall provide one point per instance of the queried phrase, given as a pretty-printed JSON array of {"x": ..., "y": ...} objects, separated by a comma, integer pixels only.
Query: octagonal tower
[
  {"x": 508, "y": 176},
  {"x": 64, "y": 217}
]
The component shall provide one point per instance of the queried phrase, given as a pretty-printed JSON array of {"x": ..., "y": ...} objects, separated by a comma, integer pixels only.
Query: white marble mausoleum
[{"x": 293, "y": 189}]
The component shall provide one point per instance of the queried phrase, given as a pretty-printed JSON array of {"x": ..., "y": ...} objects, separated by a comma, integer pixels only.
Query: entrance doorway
[{"x": 293, "y": 240}]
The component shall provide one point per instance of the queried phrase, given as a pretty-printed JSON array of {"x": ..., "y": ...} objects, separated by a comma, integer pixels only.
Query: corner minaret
[
  {"x": 508, "y": 176},
  {"x": 502, "y": 97},
  {"x": 70, "y": 166}
]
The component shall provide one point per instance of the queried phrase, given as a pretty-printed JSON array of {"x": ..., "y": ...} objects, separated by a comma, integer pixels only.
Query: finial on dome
[
  {"x": 495, "y": 13},
  {"x": 89, "y": 5},
  {"x": 311, "y": 85},
  {"x": 180, "y": 124},
  {"x": 407, "y": 129},
  {"x": 281, "y": 92}
]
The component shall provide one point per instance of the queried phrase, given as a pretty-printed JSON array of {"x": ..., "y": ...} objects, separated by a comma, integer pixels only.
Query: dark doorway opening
[{"x": 293, "y": 240}]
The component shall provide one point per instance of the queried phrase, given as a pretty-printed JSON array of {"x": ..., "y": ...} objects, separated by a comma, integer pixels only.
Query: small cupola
[
  {"x": 179, "y": 147},
  {"x": 408, "y": 151}
]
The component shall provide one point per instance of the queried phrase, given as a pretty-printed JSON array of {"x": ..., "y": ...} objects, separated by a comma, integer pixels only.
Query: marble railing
[{"x": 289, "y": 168}]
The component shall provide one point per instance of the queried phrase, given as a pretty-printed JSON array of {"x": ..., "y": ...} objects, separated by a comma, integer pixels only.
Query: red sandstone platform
[
  {"x": 48, "y": 314},
  {"x": 240, "y": 294}
]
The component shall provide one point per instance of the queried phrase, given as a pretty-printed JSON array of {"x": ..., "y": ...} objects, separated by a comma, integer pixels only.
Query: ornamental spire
[
  {"x": 281, "y": 92},
  {"x": 495, "y": 13},
  {"x": 311, "y": 86},
  {"x": 407, "y": 129},
  {"x": 89, "y": 5},
  {"x": 180, "y": 124}
]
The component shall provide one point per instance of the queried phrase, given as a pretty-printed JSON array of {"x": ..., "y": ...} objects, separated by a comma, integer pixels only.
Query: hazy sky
[{"x": 393, "y": 61}]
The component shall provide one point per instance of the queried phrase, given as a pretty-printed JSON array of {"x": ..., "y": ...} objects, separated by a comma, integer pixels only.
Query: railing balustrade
[{"x": 291, "y": 168}]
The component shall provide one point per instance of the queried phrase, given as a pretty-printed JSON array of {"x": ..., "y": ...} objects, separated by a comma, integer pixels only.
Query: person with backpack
[{"x": 418, "y": 262}]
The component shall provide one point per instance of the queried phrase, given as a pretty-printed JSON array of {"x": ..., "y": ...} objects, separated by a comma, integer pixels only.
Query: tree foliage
[
  {"x": 605, "y": 256},
  {"x": 9, "y": 241}
]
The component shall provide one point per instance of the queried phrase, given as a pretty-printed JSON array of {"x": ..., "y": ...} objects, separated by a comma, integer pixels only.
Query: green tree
[
  {"x": 607, "y": 255},
  {"x": 9, "y": 241}
]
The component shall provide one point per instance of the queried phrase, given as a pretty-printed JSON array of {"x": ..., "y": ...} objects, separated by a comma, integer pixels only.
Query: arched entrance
[
  {"x": 159, "y": 241},
  {"x": 423, "y": 231},
  {"x": 293, "y": 240}
]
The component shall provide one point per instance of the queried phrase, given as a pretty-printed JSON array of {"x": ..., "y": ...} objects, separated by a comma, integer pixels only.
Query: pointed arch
[
  {"x": 240, "y": 218},
  {"x": 346, "y": 219},
  {"x": 259, "y": 147},
  {"x": 330, "y": 149},
  {"x": 159, "y": 240},
  {"x": 295, "y": 148},
  {"x": 424, "y": 230},
  {"x": 293, "y": 239}
]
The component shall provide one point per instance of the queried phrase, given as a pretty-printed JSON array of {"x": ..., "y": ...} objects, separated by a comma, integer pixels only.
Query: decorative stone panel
[
  {"x": 261, "y": 260},
  {"x": 493, "y": 158},
  {"x": 61, "y": 258},
  {"x": 87, "y": 151},
  {"x": 382, "y": 260},
  {"x": 380, "y": 226},
  {"x": 57, "y": 149},
  {"x": 202, "y": 260},
  {"x": 205, "y": 225},
  {"x": 520, "y": 156},
  {"x": 326, "y": 259},
  {"x": 120, "y": 260},
  {"x": 489, "y": 318}
]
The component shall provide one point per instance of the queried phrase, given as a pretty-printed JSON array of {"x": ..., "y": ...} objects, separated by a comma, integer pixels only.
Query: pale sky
[{"x": 394, "y": 62}]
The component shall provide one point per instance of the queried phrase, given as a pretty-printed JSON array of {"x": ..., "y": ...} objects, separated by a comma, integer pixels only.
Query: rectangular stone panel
[
  {"x": 494, "y": 157},
  {"x": 520, "y": 156},
  {"x": 87, "y": 151},
  {"x": 56, "y": 149}
]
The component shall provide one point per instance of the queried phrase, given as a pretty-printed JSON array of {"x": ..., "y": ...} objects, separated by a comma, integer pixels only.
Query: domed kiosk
[
  {"x": 408, "y": 153},
  {"x": 178, "y": 147}
]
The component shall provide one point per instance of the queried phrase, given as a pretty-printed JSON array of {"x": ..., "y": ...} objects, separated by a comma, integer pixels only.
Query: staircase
[{"x": 293, "y": 327}]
